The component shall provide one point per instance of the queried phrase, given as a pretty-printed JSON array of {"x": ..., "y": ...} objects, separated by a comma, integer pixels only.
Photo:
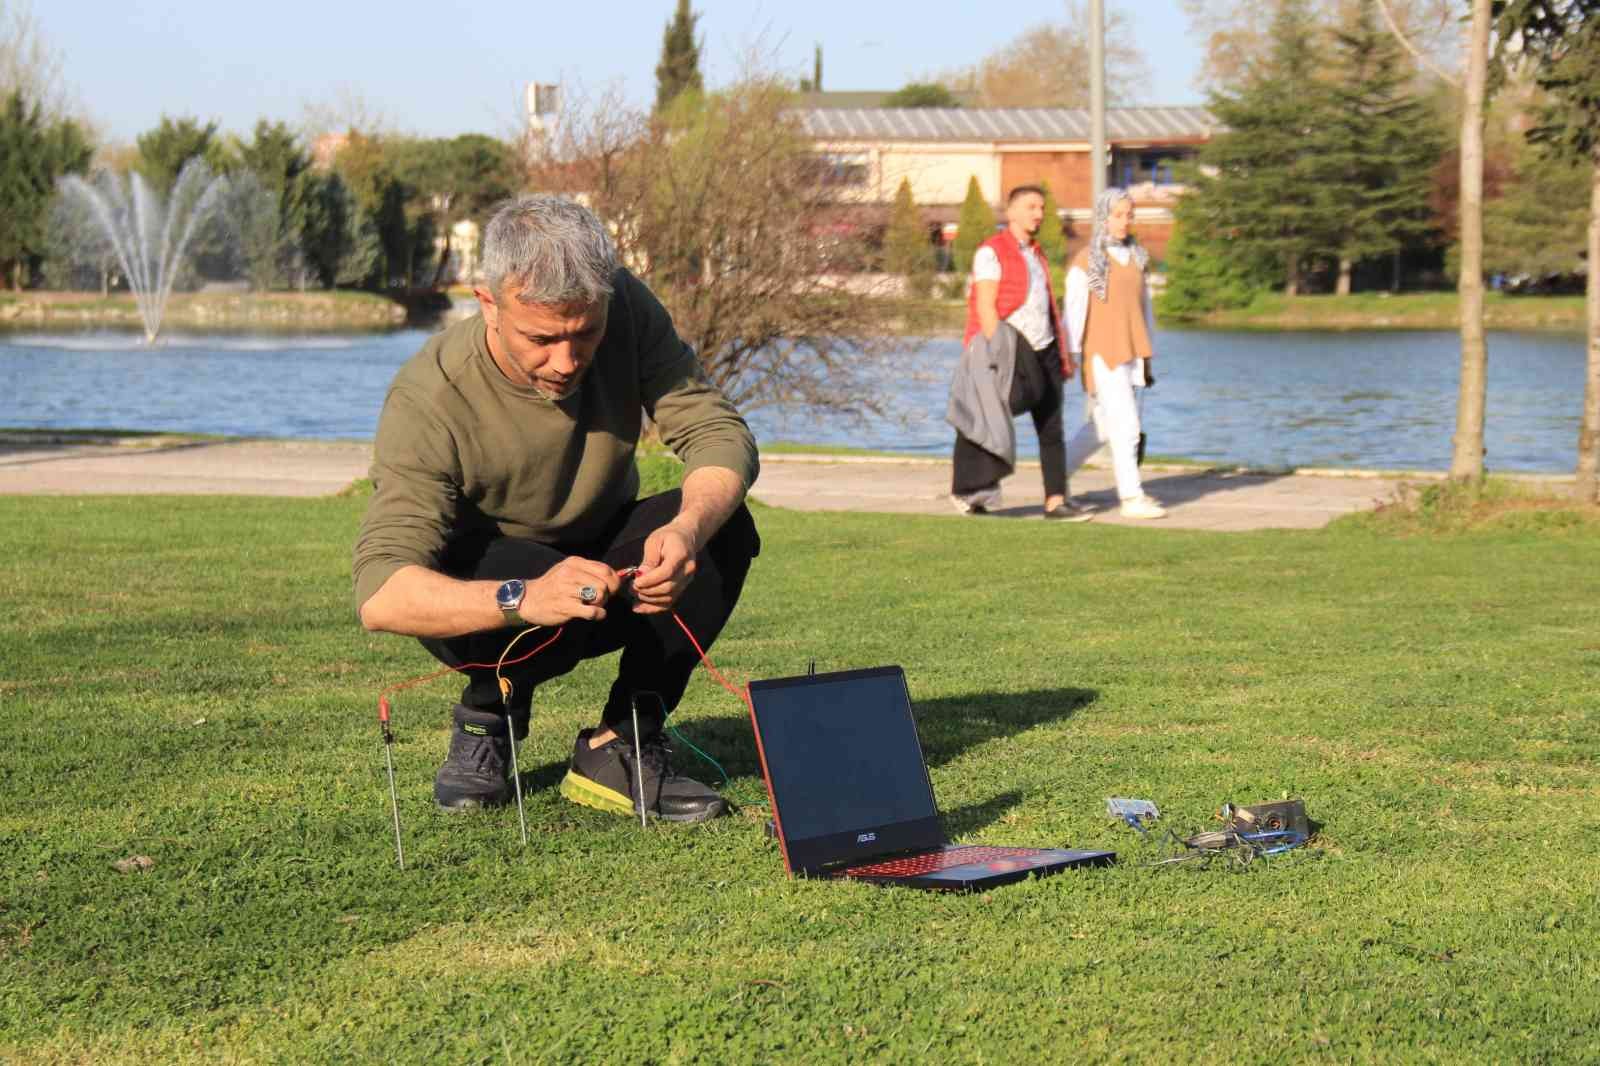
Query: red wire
[
  {"x": 742, "y": 694},
  {"x": 383, "y": 694}
]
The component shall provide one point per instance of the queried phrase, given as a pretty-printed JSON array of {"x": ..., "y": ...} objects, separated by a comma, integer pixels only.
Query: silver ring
[{"x": 588, "y": 594}]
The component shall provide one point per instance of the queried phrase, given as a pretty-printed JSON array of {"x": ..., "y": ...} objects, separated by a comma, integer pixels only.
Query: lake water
[{"x": 1378, "y": 399}]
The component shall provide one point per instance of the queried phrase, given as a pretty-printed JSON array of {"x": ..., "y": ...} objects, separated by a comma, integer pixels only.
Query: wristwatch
[{"x": 508, "y": 597}]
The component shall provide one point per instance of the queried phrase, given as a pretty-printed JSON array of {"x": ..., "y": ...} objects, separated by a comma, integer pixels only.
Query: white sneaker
[{"x": 1142, "y": 507}]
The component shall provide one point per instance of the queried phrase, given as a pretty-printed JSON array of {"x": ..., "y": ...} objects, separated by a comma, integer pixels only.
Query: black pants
[
  {"x": 976, "y": 470},
  {"x": 656, "y": 657}
]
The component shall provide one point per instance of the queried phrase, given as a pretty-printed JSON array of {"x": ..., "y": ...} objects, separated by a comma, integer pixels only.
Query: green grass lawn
[{"x": 183, "y": 678}]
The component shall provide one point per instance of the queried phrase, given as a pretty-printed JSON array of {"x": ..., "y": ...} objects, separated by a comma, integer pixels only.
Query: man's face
[
  {"x": 545, "y": 346},
  {"x": 1025, "y": 214}
]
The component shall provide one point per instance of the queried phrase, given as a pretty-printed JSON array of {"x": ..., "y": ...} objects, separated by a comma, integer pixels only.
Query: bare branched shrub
[{"x": 720, "y": 206}]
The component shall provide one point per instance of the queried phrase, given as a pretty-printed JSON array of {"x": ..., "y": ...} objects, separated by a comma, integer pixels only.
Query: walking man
[
  {"x": 504, "y": 498},
  {"x": 1011, "y": 290}
]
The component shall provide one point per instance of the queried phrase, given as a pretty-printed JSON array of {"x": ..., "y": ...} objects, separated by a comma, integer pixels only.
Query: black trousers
[
  {"x": 656, "y": 657},
  {"x": 976, "y": 470}
]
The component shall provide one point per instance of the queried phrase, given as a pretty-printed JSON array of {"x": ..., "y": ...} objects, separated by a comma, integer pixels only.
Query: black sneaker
[
  {"x": 476, "y": 773},
  {"x": 603, "y": 778}
]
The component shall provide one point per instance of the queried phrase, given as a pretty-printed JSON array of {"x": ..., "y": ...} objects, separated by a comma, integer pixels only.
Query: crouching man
[{"x": 504, "y": 497}]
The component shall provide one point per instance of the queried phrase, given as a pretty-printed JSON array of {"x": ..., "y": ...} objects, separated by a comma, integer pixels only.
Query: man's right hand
[{"x": 557, "y": 597}]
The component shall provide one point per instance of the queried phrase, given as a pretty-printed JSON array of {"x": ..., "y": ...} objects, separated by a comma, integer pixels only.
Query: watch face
[{"x": 509, "y": 595}]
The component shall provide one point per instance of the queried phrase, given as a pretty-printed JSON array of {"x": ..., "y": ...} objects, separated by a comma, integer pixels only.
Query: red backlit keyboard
[{"x": 938, "y": 860}]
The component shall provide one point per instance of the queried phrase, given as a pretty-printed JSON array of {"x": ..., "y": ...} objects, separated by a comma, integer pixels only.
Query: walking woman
[{"x": 1109, "y": 325}]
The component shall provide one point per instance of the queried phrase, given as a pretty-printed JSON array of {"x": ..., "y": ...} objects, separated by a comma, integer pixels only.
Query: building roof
[
  {"x": 853, "y": 99},
  {"x": 1005, "y": 124}
]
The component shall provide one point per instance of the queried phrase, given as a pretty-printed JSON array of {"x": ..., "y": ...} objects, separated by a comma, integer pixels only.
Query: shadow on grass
[
  {"x": 948, "y": 727},
  {"x": 952, "y": 725},
  {"x": 547, "y": 776},
  {"x": 964, "y": 821}
]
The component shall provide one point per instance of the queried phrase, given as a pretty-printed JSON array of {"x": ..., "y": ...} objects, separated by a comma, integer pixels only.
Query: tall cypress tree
[
  {"x": 1378, "y": 148},
  {"x": 679, "y": 68},
  {"x": 975, "y": 225},
  {"x": 906, "y": 250},
  {"x": 1052, "y": 238},
  {"x": 1268, "y": 193}
]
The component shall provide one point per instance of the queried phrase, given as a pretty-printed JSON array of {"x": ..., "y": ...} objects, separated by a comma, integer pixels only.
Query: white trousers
[{"x": 1113, "y": 420}]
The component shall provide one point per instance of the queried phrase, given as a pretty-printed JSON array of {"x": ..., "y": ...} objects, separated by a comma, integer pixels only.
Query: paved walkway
[{"x": 1196, "y": 499}]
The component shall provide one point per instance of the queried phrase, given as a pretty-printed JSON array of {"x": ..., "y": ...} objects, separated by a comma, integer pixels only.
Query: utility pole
[{"x": 1097, "y": 94}]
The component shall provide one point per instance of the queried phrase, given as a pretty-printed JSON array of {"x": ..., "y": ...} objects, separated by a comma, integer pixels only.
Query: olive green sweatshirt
[{"x": 461, "y": 450}]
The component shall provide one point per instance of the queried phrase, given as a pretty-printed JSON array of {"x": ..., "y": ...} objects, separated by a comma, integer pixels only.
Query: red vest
[{"x": 1013, "y": 286}]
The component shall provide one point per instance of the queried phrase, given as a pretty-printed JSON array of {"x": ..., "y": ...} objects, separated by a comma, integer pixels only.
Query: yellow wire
[{"x": 504, "y": 683}]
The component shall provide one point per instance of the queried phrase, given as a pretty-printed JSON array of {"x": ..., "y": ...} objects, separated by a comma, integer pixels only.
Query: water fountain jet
[{"x": 148, "y": 234}]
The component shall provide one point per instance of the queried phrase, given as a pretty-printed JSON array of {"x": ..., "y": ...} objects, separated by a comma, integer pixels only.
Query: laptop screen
[{"x": 845, "y": 766}]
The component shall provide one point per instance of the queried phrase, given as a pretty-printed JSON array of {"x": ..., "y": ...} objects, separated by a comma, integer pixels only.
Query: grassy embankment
[
  {"x": 1366, "y": 310},
  {"x": 255, "y": 311},
  {"x": 1376, "y": 310},
  {"x": 183, "y": 679}
]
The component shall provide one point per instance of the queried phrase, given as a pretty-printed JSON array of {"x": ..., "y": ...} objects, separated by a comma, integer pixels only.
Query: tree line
[
  {"x": 370, "y": 218},
  {"x": 1339, "y": 169}
]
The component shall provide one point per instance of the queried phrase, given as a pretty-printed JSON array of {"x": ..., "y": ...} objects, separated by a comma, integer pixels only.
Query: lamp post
[{"x": 1097, "y": 94}]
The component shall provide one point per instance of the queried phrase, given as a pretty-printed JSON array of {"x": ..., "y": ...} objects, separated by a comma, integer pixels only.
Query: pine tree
[
  {"x": 1052, "y": 238},
  {"x": 34, "y": 152},
  {"x": 1537, "y": 226},
  {"x": 1378, "y": 148},
  {"x": 679, "y": 68},
  {"x": 1205, "y": 270},
  {"x": 1267, "y": 194},
  {"x": 1561, "y": 38},
  {"x": 164, "y": 150},
  {"x": 906, "y": 250},
  {"x": 974, "y": 226}
]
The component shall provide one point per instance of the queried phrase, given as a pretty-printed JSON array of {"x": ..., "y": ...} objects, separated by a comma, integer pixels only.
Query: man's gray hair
[{"x": 548, "y": 250}]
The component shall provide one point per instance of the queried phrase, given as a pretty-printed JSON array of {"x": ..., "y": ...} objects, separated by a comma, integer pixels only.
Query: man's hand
[
  {"x": 666, "y": 569},
  {"x": 1069, "y": 366},
  {"x": 1147, "y": 366},
  {"x": 557, "y": 597}
]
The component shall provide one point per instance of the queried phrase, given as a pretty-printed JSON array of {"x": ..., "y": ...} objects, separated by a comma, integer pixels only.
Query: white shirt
[
  {"x": 1075, "y": 306},
  {"x": 1032, "y": 319}
]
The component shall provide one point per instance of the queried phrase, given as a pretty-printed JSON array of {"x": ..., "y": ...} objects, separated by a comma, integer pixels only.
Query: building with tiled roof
[{"x": 867, "y": 151}]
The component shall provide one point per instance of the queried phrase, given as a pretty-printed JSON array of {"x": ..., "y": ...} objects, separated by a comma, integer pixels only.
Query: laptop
[{"x": 850, "y": 791}]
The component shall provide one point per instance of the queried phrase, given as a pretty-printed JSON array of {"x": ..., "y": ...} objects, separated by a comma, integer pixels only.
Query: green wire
[
  {"x": 686, "y": 741},
  {"x": 690, "y": 745}
]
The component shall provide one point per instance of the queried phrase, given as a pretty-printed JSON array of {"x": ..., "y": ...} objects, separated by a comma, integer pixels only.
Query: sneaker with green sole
[{"x": 604, "y": 778}]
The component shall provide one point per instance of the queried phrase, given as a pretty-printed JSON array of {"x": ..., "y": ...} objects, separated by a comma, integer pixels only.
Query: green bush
[
  {"x": 1206, "y": 273},
  {"x": 1482, "y": 504}
]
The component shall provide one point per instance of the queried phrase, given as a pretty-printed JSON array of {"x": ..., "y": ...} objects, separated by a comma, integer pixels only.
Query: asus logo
[{"x": 866, "y": 838}]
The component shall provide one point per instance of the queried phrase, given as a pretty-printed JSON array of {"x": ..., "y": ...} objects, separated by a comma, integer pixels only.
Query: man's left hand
[
  {"x": 666, "y": 570},
  {"x": 1069, "y": 367}
]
